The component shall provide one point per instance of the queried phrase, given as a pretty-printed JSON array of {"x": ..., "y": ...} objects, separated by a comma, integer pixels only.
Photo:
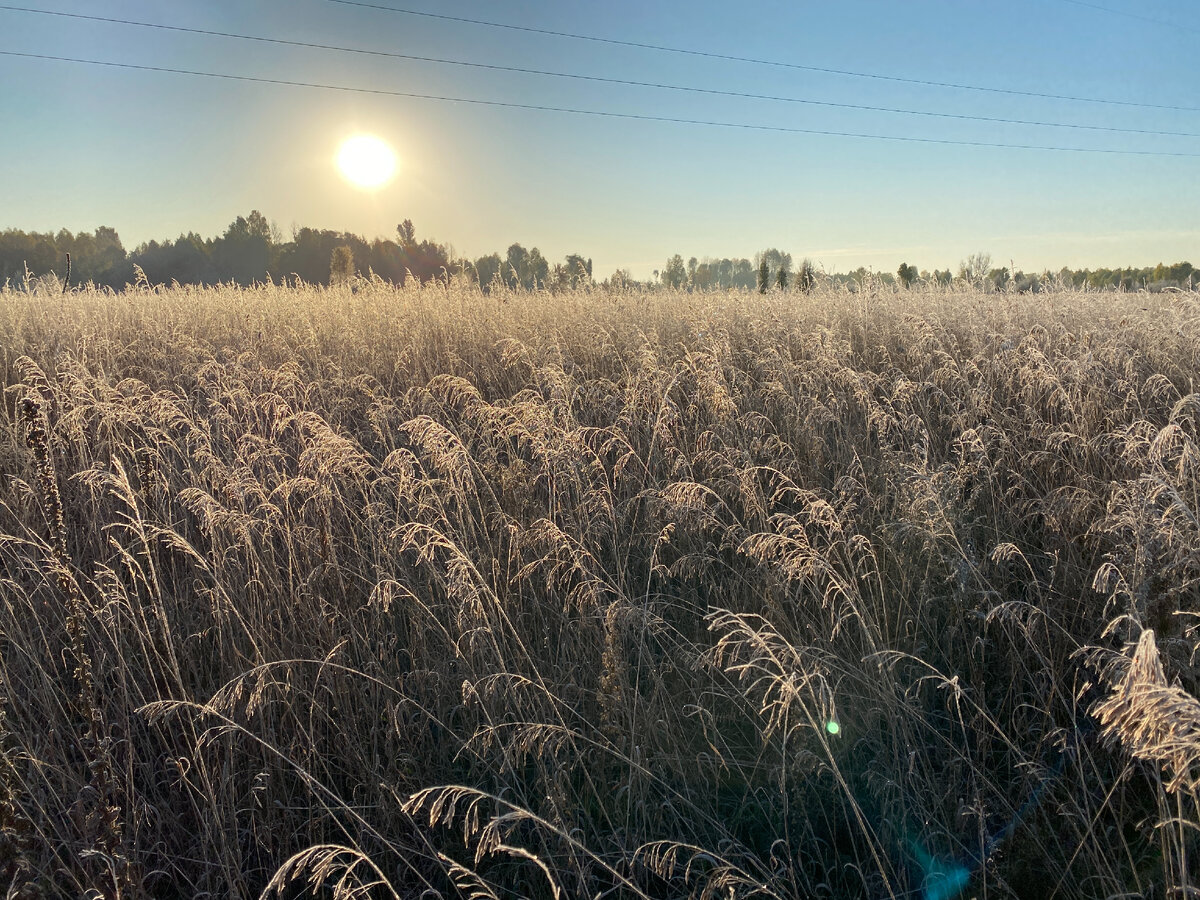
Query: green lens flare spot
[{"x": 832, "y": 727}]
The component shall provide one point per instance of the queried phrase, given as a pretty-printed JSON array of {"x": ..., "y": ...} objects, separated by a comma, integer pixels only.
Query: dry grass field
[{"x": 367, "y": 592}]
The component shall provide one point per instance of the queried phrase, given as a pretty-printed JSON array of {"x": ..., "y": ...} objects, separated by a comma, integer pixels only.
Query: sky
[{"x": 155, "y": 154}]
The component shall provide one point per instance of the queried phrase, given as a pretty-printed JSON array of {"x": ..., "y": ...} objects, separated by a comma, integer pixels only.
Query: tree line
[
  {"x": 978, "y": 269},
  {"x": 252, "y": 249},
  {"x": 772, "y": 270}
]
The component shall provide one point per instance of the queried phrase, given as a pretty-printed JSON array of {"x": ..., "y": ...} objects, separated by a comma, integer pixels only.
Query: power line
[
  {"x": 1131, "y": 15},
  {"x": 605, "y": 80},
  {"x": 763, "y": 62},
  {"x": 601, "y": 113},
  {"x": 601, "y": 79}
]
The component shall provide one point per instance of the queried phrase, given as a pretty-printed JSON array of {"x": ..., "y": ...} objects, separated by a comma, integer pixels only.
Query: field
[{"x": 375, "y": 592}]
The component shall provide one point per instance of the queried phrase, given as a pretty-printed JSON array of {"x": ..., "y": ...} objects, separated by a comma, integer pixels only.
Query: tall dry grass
[{"x": 368, "y": 592}]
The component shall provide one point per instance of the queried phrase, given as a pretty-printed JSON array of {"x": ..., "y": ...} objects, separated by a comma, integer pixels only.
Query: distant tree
[
  {"x": 1163, "y": 276},
  {"x": 806, "y": 277},
  {"x": 341, "y": 265},
  {"x": 98, "y": 258},
  {"x": 187, "y": 260},
  {"x": 577, "y": 270},
  {"x": 424, "y": 260},
  {"x": 764, "y": 275},
  {"x": 20, "y": 250},
  {"x": 705, "y": 276},
  {"x": 107, "y": 258},
  {"x": 1028, "y": 284},
  {"x": 781, "y": 278},
  {"x": 743, "y": 274},
  {"x": 999, "y": 278},
  {"x": 537, "y": 270},
  {"x": 428, "y": 260},
  {"x": 488, "y": 270},
  {"x": 975, "y": 267},
  {"x": 621, "y": 279},
  {"x": 388, "y": 260},
  {"x": 907, "y": 274},
  {"x": 310, "y": 254},
  {"x": 675, "y": 274},
  {"x": 526, "y": 269},
  {"x": 515, "y": 265},
  {"x": 244, "y": 253}
]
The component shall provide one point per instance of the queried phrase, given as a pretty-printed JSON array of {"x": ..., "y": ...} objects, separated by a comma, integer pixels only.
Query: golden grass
[{"x": 366, "y": 592}]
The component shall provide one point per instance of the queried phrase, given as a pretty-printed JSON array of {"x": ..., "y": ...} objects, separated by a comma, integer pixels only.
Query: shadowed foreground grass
[{"x": 377, "y": 593}]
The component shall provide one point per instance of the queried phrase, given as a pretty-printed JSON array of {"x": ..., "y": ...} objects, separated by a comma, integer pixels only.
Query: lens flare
[
  {"x": 832, "y": 727},
  {"x": 941, "y": 879}
]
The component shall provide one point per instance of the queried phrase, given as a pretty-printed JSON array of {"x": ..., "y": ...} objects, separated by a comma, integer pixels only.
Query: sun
[{"x": 366, "y": 161}]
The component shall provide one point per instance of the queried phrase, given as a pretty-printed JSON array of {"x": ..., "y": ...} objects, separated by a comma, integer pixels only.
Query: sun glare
[{"x": 366, "y": 161}]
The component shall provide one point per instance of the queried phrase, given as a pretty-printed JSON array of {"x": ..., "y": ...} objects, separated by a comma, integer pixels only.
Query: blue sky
[{"x": 154, "y": 154}]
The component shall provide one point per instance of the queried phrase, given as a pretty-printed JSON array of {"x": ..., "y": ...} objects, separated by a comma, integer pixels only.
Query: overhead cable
[
  {"x": 1112, "y": 151},
  {"x": 1131, "y": 15},
  {"x": 763, "y": 62},
  {"x": 743, "y": 95}
]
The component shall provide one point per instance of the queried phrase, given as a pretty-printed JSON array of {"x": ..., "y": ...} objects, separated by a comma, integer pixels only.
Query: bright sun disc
[{"x": 366, "y": 161}]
